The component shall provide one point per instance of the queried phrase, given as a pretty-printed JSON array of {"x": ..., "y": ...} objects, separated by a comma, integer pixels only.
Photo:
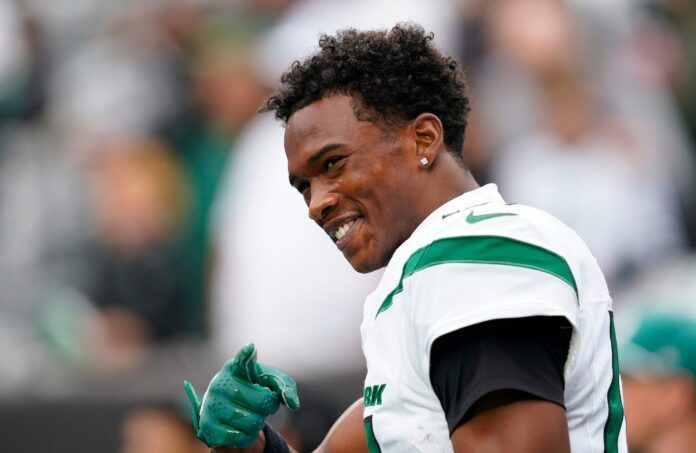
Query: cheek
[
  {"x": 381, "y": 186},
  {"x": 381, "y": 189}
]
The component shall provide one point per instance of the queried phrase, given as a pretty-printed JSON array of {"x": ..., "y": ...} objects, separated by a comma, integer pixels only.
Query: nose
[{"x": 320, "y": 204}]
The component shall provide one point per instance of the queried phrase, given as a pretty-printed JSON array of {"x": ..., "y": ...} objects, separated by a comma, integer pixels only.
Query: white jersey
[{"x": 473, "y": 260}]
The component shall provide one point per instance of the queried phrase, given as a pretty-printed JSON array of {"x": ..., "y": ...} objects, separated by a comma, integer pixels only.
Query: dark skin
[
  {"x": 500, "y": 421},
  {"x": 369, "y": 173},
  {"x": 348, "y": 169}
]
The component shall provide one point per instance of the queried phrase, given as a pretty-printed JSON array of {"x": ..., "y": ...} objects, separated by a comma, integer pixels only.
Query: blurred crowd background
[{"x": 147, "y": 230}]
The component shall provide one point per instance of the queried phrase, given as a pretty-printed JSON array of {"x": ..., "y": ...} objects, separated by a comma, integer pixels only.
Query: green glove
[{"x": 238, "y": 400}]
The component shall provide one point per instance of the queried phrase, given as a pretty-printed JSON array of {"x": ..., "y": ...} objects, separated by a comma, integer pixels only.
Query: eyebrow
[
  {"x": 323, "y": 150},
  {"x": 315, "y": 157}
]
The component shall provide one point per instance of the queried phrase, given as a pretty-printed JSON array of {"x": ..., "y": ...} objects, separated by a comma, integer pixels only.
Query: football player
[{"x": 491, "y": 329}]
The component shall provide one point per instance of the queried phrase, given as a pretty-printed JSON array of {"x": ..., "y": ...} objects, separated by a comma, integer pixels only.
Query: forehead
[{"x": 327, "y": 121}]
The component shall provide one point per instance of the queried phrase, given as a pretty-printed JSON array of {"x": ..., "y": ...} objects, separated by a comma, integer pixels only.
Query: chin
[
  {"x": 365, "y": 266},
  {"x": 365, "y": 269}
]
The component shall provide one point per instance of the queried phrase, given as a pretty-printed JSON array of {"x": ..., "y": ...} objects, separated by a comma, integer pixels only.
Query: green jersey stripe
[
  {"x": 612, "y": 428},
  {"x": 484, "y": 250},
  {"x": 372, "y": 444}
]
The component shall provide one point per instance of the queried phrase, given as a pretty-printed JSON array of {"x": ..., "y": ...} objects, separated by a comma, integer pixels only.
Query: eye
[{"x": 331, "y": 162}]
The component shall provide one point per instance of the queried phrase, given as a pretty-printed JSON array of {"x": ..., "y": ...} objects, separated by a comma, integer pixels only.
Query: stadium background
[{"x": 147, "y": 229}]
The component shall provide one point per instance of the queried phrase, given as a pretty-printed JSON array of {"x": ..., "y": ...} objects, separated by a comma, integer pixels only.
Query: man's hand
[{"x": 238, "y": 400}]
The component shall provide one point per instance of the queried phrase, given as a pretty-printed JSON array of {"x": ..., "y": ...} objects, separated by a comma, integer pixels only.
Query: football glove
[{"x": 238, "y": 400}]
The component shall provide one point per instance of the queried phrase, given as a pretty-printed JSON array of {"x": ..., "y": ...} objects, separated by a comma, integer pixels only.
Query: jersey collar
[{"x": 485, "y": 194}]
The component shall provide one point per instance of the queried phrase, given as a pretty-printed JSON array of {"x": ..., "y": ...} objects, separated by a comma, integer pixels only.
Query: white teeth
[{"x": 343, "y": 230}]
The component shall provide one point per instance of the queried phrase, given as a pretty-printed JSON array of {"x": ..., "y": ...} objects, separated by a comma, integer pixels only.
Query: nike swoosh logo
[{"x": 471, "y": 218}]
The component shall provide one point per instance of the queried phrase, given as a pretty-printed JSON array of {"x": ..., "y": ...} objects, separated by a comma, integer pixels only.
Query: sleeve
[
  {"x": 447, "y": 297},
  {"x": 526, "y": 355}
]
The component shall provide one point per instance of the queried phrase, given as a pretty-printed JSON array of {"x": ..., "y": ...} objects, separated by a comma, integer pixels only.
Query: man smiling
[
  {"x": 353, "y": 178},
  {"x": 491, "y": 329}
]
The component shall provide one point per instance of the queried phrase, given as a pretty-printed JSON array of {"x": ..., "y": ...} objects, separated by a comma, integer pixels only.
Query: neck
[{"x": 452, "y": 181}]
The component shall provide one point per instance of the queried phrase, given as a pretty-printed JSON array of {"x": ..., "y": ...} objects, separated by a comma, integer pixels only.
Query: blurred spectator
[
  {"x": 118, "y": 83},
  {"x": 658, "y": 364},
  {"x": 656, "y": 328},
  {"x": 42, "y": 216},
  {"x": 665, "y": 50},
  {"x": 43, "y": 236},
  {"x": 673, "y": 47},
  {"x": 558, "y": 144},
  {"x": 224, "y": 92},
  {"x": 138, "y": 199}
]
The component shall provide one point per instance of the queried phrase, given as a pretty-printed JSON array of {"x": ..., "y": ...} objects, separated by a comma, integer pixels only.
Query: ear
[{"x": 429, "y": 136}]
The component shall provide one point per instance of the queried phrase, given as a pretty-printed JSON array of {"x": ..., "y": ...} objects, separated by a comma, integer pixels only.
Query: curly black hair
[{"x": 396, "y": 74}]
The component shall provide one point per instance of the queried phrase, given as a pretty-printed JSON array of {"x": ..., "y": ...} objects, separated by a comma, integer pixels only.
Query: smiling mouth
[{"x": 342, "y": 232}]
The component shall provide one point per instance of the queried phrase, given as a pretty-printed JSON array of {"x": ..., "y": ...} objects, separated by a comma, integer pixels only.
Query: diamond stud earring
[{"x": 424, "y": 161}]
